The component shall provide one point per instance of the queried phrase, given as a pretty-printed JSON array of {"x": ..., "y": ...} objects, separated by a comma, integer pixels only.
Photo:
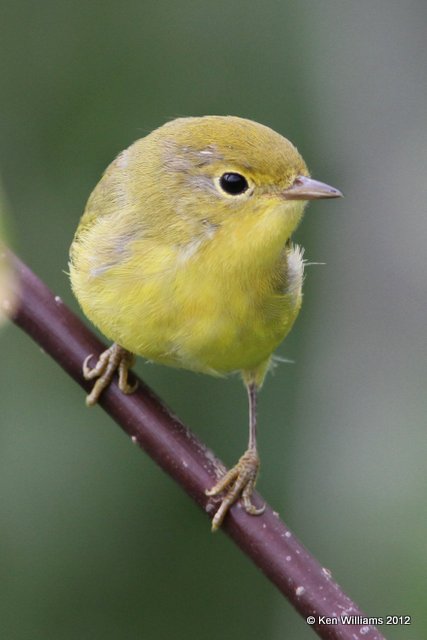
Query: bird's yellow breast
[{"x": 220, "y": 302}]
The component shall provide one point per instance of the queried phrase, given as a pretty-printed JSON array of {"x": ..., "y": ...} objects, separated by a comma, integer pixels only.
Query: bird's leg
[
  {"x": 241, "y": 479},
  {"x": 111, "y": 360}
]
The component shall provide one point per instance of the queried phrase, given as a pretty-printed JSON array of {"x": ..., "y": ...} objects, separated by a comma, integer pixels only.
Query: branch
[{"x": 265, "y": 539}]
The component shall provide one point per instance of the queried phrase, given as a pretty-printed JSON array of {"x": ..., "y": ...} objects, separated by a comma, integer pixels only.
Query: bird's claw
[
  {"x": 239, "y": 481},
  {"x": 113, "y": 359}
]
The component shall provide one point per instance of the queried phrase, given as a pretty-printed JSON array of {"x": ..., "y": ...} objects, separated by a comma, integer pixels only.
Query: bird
[{"x": 184, "y": 256}]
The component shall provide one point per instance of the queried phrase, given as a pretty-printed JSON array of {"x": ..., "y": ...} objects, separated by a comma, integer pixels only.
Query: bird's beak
[{"x": 304, "y": 188}]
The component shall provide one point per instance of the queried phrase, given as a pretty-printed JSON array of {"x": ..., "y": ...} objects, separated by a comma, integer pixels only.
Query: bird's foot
[
  {"x": 239, "y": 481},
  {"x": 111, "y": 360}
]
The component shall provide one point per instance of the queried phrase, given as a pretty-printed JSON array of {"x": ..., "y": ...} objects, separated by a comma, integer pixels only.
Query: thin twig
[{"x": 265, "y": 539}]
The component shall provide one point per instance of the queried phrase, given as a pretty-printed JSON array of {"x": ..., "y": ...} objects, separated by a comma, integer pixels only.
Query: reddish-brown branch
[{"x": 265, "y": 539}]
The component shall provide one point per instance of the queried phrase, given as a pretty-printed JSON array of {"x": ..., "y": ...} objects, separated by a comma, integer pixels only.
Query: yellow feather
[{"x": 173, "y": 269}]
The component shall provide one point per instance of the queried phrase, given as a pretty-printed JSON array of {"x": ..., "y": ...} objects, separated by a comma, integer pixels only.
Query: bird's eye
[{"x": 233, "y": 183}]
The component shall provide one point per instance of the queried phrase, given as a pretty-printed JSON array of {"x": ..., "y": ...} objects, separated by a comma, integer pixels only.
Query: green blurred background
[{"x": 96, "y": 542}]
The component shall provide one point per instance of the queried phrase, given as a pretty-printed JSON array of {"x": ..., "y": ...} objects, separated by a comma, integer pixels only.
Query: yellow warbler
[{"x": 183, "y": 256}]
